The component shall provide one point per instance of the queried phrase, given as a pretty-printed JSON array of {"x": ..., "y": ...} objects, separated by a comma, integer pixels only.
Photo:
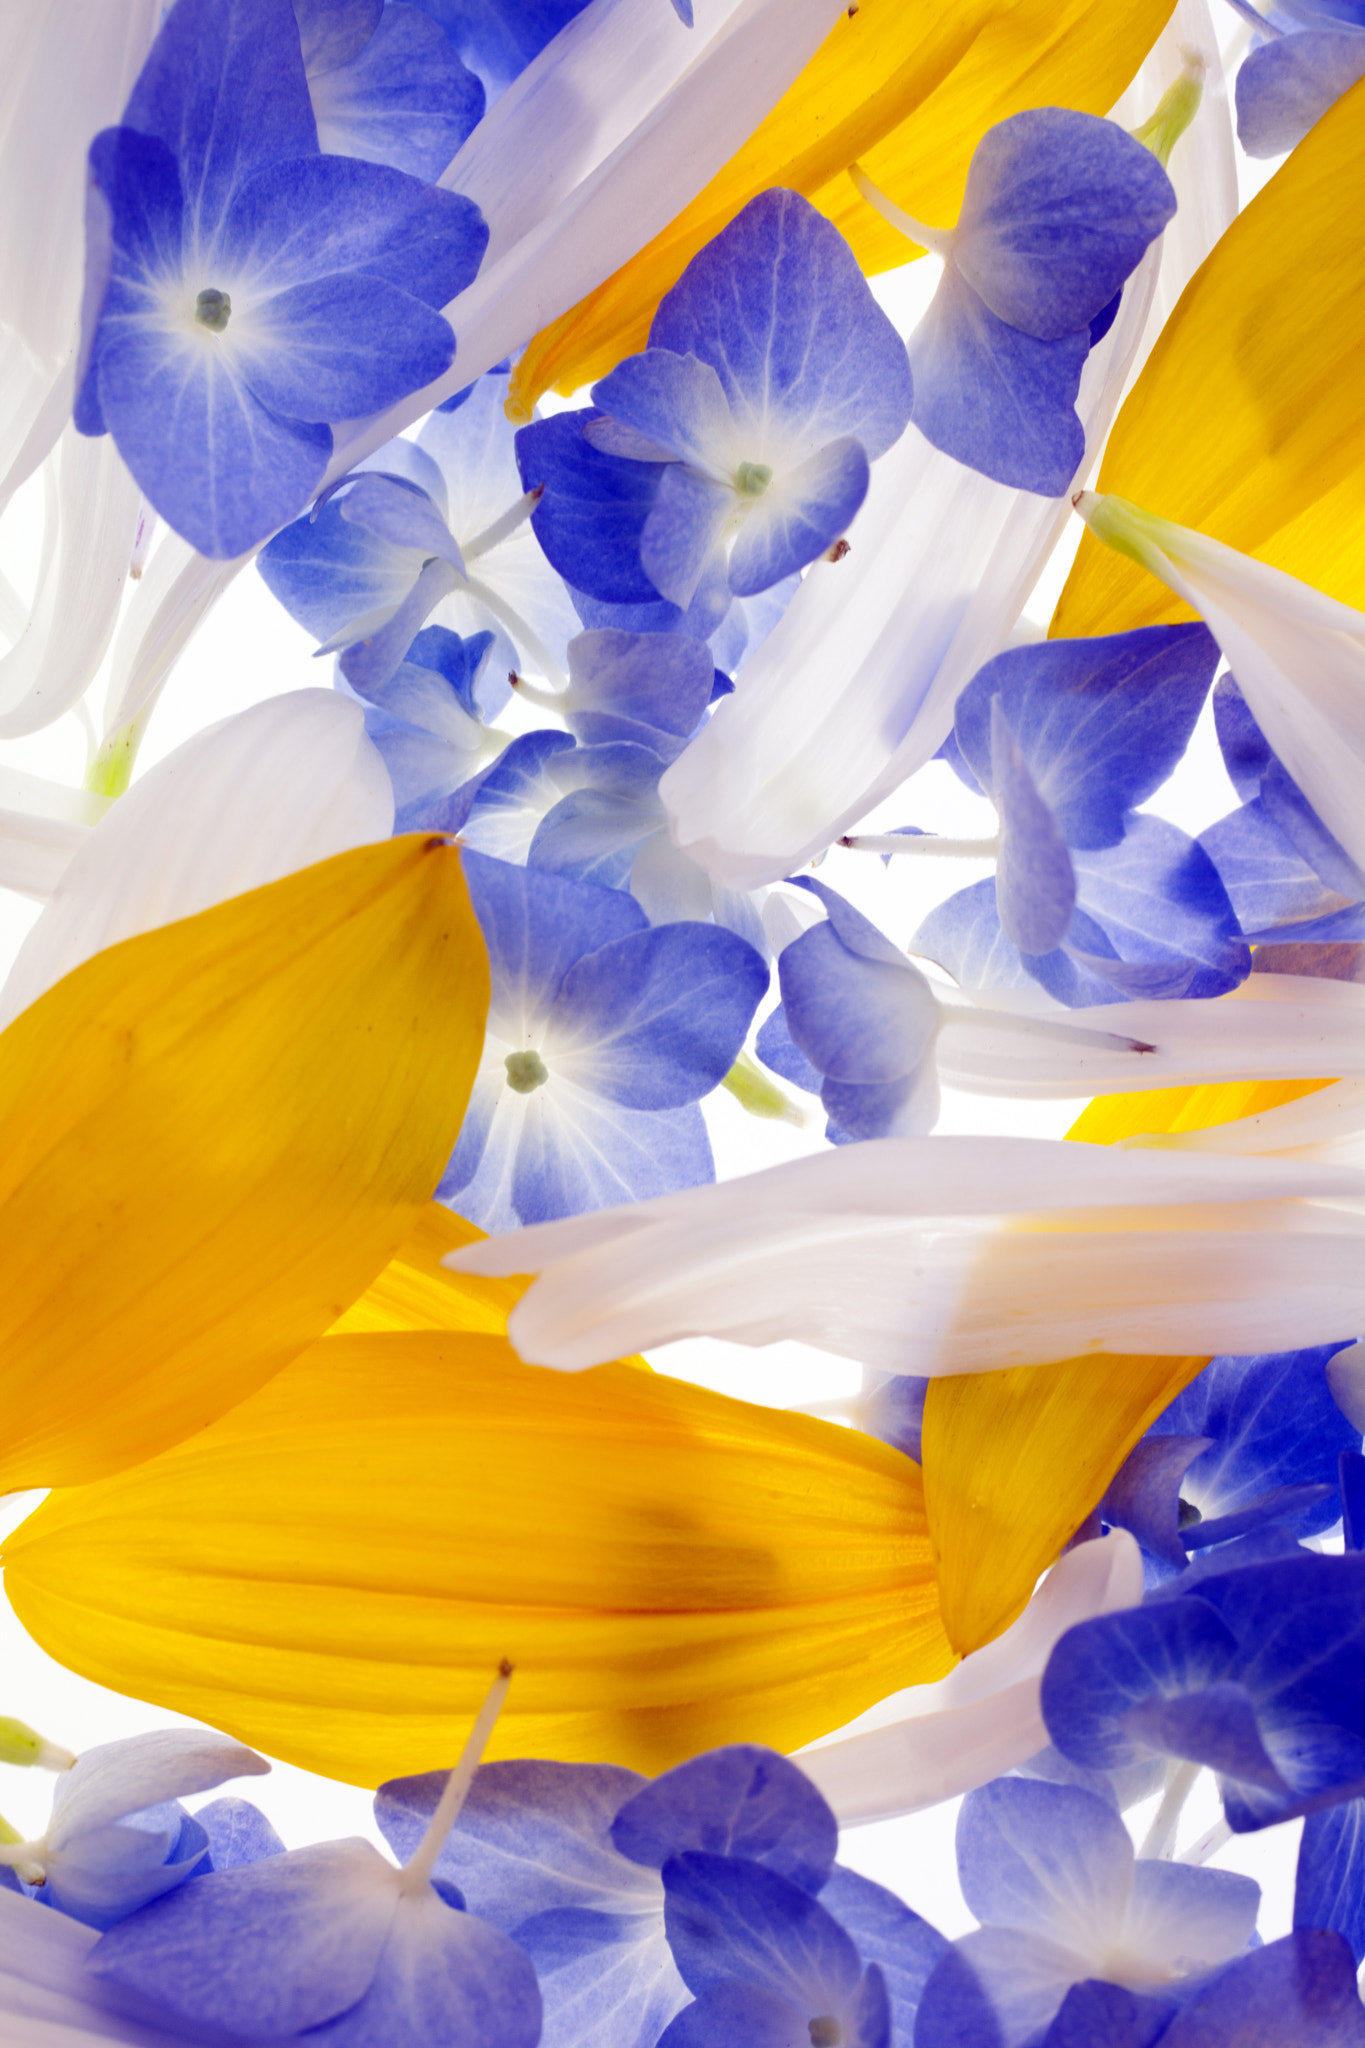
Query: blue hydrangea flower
[
  {"x": 567, "y": 1859},
  {"x": 735, "y": 448},
  {"x": 434, "y": 529},
  {"x": 1059, "y": 210},
  {"x": 498, "y": 38},
  {"x": 1291, "y": 883},
  {"x": 1309, "y": 53},
  {"x": 387, "y": 84},
  {"x": 117, "y": 1836},
  {"x": 428, "y": 724},
  {"x": 251, "y": 289},
  {"x": 1091, "y": 898},
  {"x": 1251, "y": 1663},
  {"x": 1051, "y": 1873},
  {"x": 1251, "y": 1441},
  {"x": 604, "y": 1032}
]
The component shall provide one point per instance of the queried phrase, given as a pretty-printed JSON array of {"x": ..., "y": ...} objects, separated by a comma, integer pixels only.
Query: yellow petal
[
  {"x": 416, "y": 1292},
  {"x": 331, "y": 1571},
  {"x": 213, "y": 1137},
  {"x": 1248, "y": 422},
  {"x": 1015, "y": 1461},
  {"x": 1111, "y": 1117},
  {"x": 908, "y": 91}
]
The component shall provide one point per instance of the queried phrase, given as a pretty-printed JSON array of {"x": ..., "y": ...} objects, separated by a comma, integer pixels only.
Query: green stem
[
  {"x": 1176, "y": 109},
  {"x": 753, "y": 1091},
  {"x": 112, "y": 768}
]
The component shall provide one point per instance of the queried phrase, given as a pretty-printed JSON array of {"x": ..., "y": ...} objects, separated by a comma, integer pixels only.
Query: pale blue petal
[
  {"x": 327, "y": 572},
  {"x": 1035, "y": 883},
  {"x": 675, "y": 404},
  {"x": 1049, "y": 1859},
  {"x": 739, "y": 1800},
  {"x": 682, "y": 534},
  {"x": 649, "y": 688},
  {"x": 1329, "y": 1887},
  {"x": 399, "y": 514},
  {"x": 404, "y": 100},
  {"x": 608, "y": 1981},
  {"x": 444, "y": 1980},
  {"x": 1284, "y": 88},
  {"x": 803, "y": 513}
]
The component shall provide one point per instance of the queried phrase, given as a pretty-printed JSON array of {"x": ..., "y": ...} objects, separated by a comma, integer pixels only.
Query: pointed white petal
[{"x": 291, "y": 781}]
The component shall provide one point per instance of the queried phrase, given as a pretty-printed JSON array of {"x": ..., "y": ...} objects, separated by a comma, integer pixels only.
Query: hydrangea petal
[
  {"x": 404, "y": 99},
  {"x": 1288, "y": 84},
  {"x": 742, "y": 1800}
]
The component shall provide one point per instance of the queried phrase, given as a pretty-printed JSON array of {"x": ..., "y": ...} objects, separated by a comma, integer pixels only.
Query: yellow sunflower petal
[
  {"x": 1015, "y": 1461},
  {"x": 908, "y": 91},
  {"x": 213, "y": 1137},
  {"x": 416, "y": 1292},
  {"x": 1111, "y": 1117},
  {"x": 331, "y": 1570},
  {"x": 1248, "y": 422}
]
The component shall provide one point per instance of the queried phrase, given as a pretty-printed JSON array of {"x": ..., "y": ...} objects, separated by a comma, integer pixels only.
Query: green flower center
[
  {"x": 753, "y": 478},
  {"x": 213, "y": 309},
  {"x": 526, "y": 1071}
]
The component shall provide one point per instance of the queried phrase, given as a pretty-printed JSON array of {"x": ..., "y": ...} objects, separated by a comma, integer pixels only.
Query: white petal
[
  {"x": 932, "y": 1255},
  {"x": 291, "y": 781},
  {"x": 175, "y": 594},
  {"x": 1275, "y": 1027},
  {"x": 93, "y": 522},
  {"x": 117, "y": 1778},
  {"x": 46, "y": 2000},
  {"x": 931, "y": 1742}
]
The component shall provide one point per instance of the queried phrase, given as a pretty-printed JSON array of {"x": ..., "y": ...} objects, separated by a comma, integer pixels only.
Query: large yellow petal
[
  {"x": 213, "y": 1137},
  {"x": 1111, "y": 1117},
  {"x": 416, "y": 1292},
  {"x": 908, "y": 90},
  {"x": 1248, "y": 422},
  {"x": 1015, "y": 1461},
  {"x": 331, "y": 1571}
]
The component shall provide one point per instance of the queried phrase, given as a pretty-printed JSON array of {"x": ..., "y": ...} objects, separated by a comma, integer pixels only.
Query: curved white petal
[
  {"x": 931, "y": 1742},
  {"x": 92, "y": 517},
  {"x": 289, "y": 782},
  {"x": 938, "y": 1255},
  {"x": 175, "y": 595}
]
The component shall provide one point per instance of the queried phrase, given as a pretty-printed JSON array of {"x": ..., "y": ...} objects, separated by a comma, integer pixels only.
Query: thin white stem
[
  {"x": 548, "y": 700},
  {"x": 922, "y": 842},
  {"x": 520, "y": 631},
  {"x": 1040, "y": 1027},
  {"x": 1161, "y": 1834},
  {"x": 515, "y": 516},
  {"x": 417, "y": 1871},
  {"x": 940, "y": 240},
  {"x": 1209, "y": 1843}
]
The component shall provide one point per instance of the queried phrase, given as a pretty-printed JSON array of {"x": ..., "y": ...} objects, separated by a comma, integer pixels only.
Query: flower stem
[
  {"x": 417, "y": 1871},
  {"x": 753, "y": 1091},
  {"x": 922, "y": 842},
  {"x": 1160, "y": 1840},
  {"x": 939, "y": 240}
]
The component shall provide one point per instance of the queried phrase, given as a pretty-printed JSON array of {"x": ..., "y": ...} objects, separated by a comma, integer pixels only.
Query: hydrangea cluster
[{"x": 358, "y": 1075}]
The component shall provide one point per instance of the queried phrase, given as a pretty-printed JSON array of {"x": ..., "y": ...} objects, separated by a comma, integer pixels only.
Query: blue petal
[
  {"x": 498, "y": 38},
  {"x": 994, "y": 398},
  {"x": 895, "y": 1413},
  {"x": 680, "y": 544},
  {"x": 224, "y": 89},
  {"x": 536, "y": 926},
  {"x": 803, "y": 512},
  {"x": 595, "y": 834},
  {"x": 740, "y": 1800},
  {"x": 334, "y": 31},
  {"x": 608, "y": 1981},
  {"x": 675, "y": 405},
  {"x": 1042, "y": 1857},
  {"x": 1272, "y": 1422},
  {"x": 1035, "y": 883},
  {"x": 954, "y": 2011},
  {"x": 110, "y": 1871},
  {"x": 1271, "y": 887},
  {"x": 963, "y": 935},
  {"x": 729, "y": 1918},
  {"x": 907, "y": 1107},
  {"x": 1351, "y": 1480},
  {"x": 444, "y": 1980},
  {"x": 374, "y": 658},
  {"x": 1284, "y": 88},
  {"x": 1059, "y": 210},
  {"x": 1145, "y": 1493},
  {"x": 1096, "y": 2015},
  {"x": 735, "y": 2015},
  {"x": 340, "y": 348},
  {"x": 459, "y": 663},
  {"x": 579, "y": 1152},
  {"x": 1301, "y": 1989},
  {"x": 404, "y": 100},
  {"x": 778, "y": 307},
  {"x": 649, "y": 688},
  {"x": 219, "y": 466},
  {"x": 269, "y": 1948},
  {"x": 537, "y": 772},
  {"x": 406, "y": 518},
  {"x": 238, "y": 1832},
  {"x": 327, "y": 572},
  {"x": 1102, "y": 1668},
  {"x": 1157, "y": 900},
  {"x": 1329, "y": 1887},
  {"x": 1100, "y": 723},
  {"x": 1216, "y": 1726},
  {"x": 905, "y": 1948},
  {"x": 655, "y": 1020},
  {"x": 531, "y": 1838},
  {"x": 326, "y": 217},
  {"x": 854, "y": 1019},
  {"x": 1289, "y": 809},
  {"x": 593, "y": 510},
  {"x": 775, "y": 1048},
  {"x": 1244, "y": 747}
]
